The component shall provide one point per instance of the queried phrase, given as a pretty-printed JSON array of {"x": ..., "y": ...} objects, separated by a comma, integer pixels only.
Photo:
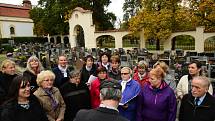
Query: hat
[{"x": 110, "y": 84}]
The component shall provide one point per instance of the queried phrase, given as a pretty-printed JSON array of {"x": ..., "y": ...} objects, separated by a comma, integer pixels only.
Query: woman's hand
[{"x": 59, "y": 119}]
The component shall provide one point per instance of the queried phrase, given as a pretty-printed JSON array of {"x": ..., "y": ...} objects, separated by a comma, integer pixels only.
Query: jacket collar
[
  {"x": 107, "y": 110},
  {"x": 43, "y": 93},
  {"x": 205, "y": 103}
]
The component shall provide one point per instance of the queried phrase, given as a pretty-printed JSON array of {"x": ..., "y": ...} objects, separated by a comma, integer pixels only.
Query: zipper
[{"x": 156, "y": 98}]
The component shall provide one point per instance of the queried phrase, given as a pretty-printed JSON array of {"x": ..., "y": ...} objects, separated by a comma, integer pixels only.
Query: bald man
[{"x": 199, "y": 105}]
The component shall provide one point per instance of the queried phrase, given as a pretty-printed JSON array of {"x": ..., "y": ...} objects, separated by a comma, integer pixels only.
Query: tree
[
  {"x": 159, "y": 18},
  {"x": 204, "y": 10},
  {"x": 52, "y": 15},
  {"x": 156, "y": 18}
]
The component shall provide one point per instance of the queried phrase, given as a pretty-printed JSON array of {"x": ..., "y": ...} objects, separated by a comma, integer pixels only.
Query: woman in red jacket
[
  {"x": 141, "y": 75},
  {"x": 95, "y": 85}
]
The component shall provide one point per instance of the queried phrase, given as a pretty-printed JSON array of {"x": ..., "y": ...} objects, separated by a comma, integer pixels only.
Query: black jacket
[
  {"x": 204, "y": 112},
  {"x": 86, "y": 74},
  {"x": 76, "y": 97},
  {"x": 59, "y": 77},
  {"x": 12, "y": 111},
  {"x": 114, "y": 74},
  {"x": 33, "y": 79},
  {"x": 5, "y": 81},
  {"x": 99, "y": 114}
]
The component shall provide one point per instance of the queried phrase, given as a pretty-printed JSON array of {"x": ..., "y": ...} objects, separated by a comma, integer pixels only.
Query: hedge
[{"x": 18, "y": 40}]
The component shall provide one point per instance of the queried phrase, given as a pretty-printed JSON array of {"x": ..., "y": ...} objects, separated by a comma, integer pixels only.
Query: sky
[{"x": 115, "y": 6}]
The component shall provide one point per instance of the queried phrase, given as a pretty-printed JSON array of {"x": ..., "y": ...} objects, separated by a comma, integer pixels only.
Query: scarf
[
  {"x": 53, "y": 101},
  {"x": 141, "y": 76},
  {"x": 63, "y": 70},
  {"x": 88, "y": 68}
]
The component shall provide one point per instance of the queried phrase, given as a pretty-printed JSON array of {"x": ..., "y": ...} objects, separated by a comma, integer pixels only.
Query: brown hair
[{"x": 115, "y": 58}]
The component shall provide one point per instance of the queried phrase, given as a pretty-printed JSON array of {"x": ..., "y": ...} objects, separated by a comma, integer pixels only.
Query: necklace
[{"x": 24, "y": 105}]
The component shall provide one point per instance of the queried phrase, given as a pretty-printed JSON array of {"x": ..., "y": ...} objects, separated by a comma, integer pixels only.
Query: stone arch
[
  {"x": 58, "y": 39},
  {"x": 105, "y": 41},
  {"x": 209, "y": 44},
  {"x": 131, "y": 40},
  {"x": 183, "y": 41},
  {"x": 79, "y": 36},
  {"x": 52, "y": 40}
]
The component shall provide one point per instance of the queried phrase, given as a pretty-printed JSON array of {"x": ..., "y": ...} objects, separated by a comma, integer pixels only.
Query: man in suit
[
  {"x": 61, "y": 71},
  {"x": 199, "y": 105},
  {"x": 110, "y": 95}
]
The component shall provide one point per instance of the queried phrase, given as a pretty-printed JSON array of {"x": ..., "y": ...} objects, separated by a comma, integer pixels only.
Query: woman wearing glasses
[
  {"x": 22, "y": 106},
  {"x": 49, "y": 96},
  {"x": 130, "y": 90}
]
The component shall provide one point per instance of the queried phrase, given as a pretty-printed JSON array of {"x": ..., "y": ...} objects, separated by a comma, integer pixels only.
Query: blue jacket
[
  {"x": 156, "y": 104},
  {"x": 129, "y": 98}
]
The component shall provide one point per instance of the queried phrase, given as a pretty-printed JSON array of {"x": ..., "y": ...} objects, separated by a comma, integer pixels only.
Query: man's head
[
  {"x": 110, "y": 90},
  {"x": 62, "y": 61},
  {"x": 200, "y": 86},
  {"x": 126, "y": 73}
]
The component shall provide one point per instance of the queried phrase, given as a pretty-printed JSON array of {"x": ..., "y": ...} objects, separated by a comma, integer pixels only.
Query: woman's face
[
  {"x": 193, "y": 69},
  {"x": 114, "y": 65},
  {"x": 25, "y": 91},
  {"x": 102, "y": 75},
  {"x": 154, "y": 81},
  {"x": 141, "y": 71},
  {"x": 9, "y": 69},
  {"x": 47, "y": 83},
  {"x": 75, "y": 79},
  {"x": 89, "y": 62},
  {"x": 104, "y": 59},
  {"x": 34, "y": 63}
]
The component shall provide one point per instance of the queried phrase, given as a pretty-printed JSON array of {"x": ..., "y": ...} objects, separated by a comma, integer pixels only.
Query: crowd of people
[{"x": 103, "y": 90}]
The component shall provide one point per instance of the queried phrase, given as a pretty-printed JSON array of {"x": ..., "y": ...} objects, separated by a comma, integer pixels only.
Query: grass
[{"x": 2, "y": 57}]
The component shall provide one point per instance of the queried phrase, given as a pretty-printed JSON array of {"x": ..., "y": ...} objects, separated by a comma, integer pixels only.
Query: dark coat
[
  {"x": 33, "y": 79},
  {"x": 204, "y": 112},
  {"x": 99, "y": 114},
  {"x": 76, "y": 97},
  {"x": 5, "y": 81},
  {"x": 114, "y": 74},
  {"x": 14, "y": 112},
  {"x": 59, "y": 77},
  {"x": 86, "y": 74}
]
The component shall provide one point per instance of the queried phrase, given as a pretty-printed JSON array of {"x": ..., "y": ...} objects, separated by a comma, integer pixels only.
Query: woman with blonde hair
[
  {"x": 49, "y": 96},
  {"x": 33, "y": 68},
  {"x": 157, "y": 101},
  {"x": 169, "y": 79},
  {"x": 7, "y": 73}
]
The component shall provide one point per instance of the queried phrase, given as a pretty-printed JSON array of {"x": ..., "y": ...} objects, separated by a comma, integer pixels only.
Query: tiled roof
[
  {"x": 81, "y": 10},
  {"x": 10, "y": 10}
]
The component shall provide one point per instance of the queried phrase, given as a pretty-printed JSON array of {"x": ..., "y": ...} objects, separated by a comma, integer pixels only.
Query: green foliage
[
  {"x": 51, "y": 16},
  {"x": 18, "y": 40},
  {"x": 7, "y": 48},
  {"x": 130, "y": 8}
]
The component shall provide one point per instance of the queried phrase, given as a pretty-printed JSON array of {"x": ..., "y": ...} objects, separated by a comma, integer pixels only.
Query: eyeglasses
[
  {"x": 124, "y": 73},
  {"x": 48, "y": 80}
]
